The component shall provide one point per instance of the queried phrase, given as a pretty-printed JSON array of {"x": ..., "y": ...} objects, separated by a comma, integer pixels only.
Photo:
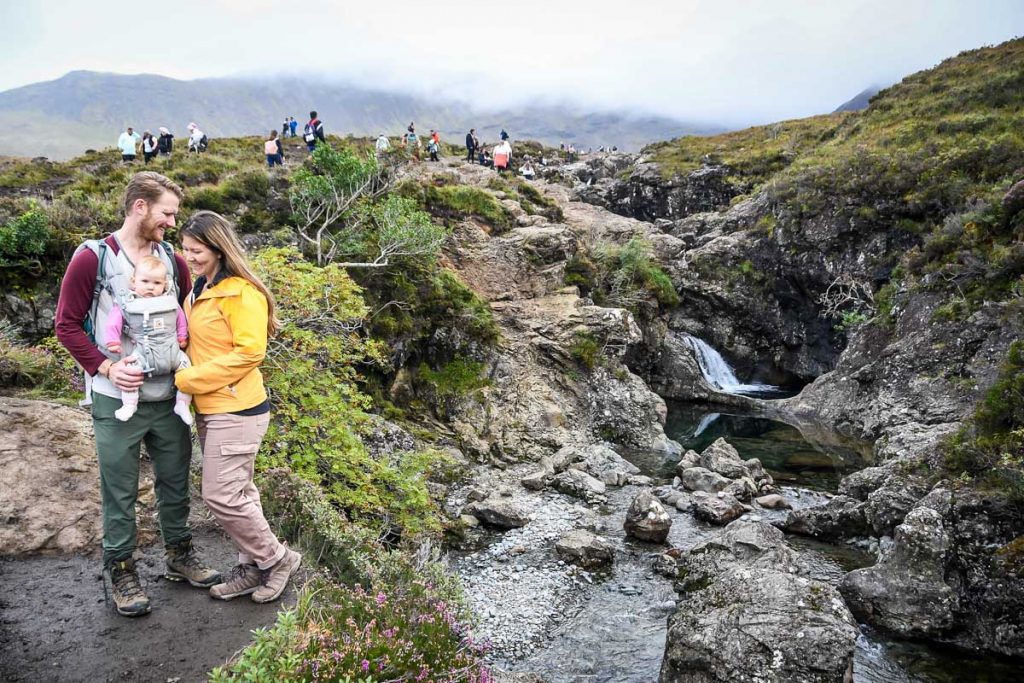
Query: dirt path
[{"x": 55, "y": 626}]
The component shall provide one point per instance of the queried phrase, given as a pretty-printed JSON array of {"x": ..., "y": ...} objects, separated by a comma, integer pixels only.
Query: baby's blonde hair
[{"x": 153, "y": 265}]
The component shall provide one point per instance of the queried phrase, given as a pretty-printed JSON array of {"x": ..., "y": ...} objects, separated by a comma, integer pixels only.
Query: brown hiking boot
[
  {"x": 244, "y": 579},
  {"x": 276, "y": 578},
  {"x": 129, "y": 598},
  {"x": 183, "y": 564}
]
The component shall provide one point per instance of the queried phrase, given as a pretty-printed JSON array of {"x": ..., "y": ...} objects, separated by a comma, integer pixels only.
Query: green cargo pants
[{"x": 169, "y": 445}]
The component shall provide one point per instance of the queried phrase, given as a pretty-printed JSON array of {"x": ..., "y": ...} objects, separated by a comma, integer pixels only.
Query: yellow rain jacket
[{"x": 227, "y": 328}]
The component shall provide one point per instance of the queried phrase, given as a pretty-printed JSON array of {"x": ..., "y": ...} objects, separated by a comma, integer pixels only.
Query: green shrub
[
  {"x": 460, "y": 201},
  {"x": 445, "y": 386},
  {"x": 586, "y": 349},
  {"x": 24, "y": 240},
  {"x": 319, "y": 410},
  {"x": 42, "y": 371},
  {"x": 990, "y": 447}
]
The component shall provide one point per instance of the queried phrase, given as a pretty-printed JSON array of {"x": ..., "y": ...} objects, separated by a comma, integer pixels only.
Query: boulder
[
  {"x": 536, "y": 480},
  {"x": 579, "y": 484},
  {"x": 842, "y": 517},
  {"x": 744, "y": 587},
  {"x": 773, "y": 501},
  {"x": 717, "y": 509},
  {"x": 647, "y": 520},
  {"x": 778, "y": 627},
  {"x": 50, "y": 489},
  {"x": 499, "y": 512},
  {"x": 584, "y": 549},
  {"x": 689, "y": 459},
  {"x": 906, "y": 591},
  {"x": 742, "y": 488},
  {"x": 722, "y": 458},
  {"x": 700, "y": 479},
  {"x": 605, "y": 464}
]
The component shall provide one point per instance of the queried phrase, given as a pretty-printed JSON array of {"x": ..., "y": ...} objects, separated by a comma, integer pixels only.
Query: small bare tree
[
  {"x": 847, "y": 299},
  {"x": 334, "y": 201}
]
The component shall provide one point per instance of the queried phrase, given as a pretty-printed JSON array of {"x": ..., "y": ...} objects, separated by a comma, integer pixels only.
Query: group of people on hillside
[
  {"x": 159, "y": 334},
  {"x": 312, "y": 133},
  {"x": 157, "y": 145}
]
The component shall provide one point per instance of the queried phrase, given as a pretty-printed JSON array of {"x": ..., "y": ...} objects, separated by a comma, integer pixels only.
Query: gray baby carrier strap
[{"x": 151, "y": 325}]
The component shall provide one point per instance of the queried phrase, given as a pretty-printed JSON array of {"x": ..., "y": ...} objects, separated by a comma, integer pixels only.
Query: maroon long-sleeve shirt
[{"x": 75, "y": 302}]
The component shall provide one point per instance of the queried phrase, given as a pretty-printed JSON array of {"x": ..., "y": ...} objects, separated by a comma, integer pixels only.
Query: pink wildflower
[
  {"x": 381, "y": 598},
  {"x": 365, "y": 665}
]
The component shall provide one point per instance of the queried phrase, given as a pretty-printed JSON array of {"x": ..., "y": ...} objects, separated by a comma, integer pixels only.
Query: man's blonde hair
[{"x": 149, "y": 186}]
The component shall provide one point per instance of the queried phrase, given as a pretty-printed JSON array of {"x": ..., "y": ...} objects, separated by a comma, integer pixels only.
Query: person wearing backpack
[
  {"x": 99, "y": 270},
  {"x": 165, "y": 143},
  {"x": 471, "y": 144},
  {"x": 313, "y": 131},
  {"x": 273, "y": 150},
  {"x": 149, "y": 146}
]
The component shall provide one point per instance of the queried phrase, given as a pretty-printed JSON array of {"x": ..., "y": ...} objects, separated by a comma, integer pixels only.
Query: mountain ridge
[{"x": 88, "y": 109}]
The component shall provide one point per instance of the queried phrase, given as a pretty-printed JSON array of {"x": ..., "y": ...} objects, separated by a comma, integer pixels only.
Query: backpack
[
  {"x": 204, "y": 142},
  {"x": 309, "y": 132},
  {"x": 104, "y": 284}
]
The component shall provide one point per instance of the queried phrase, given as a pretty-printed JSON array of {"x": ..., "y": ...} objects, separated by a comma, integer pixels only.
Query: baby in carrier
[{"x": 157, "y": 333}]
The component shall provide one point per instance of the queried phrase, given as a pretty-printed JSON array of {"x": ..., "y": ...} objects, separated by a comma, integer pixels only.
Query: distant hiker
[
  {"x": 285, "y": 126},
  {"x": 436, "y": 137},
  {"x": 274, "y": 151},
  {"x": 126, "y": 142},
  {"x": 527, "y": 171},
  {"x": 504, "y": 135},
  {"x": 293, "y": 125},
  {"x": 471, "y": 144},
  {"x": 231, "y": 315},
  {"x": 383, "y": 145},
  {"x": 411, "y": 141},
  {"x": 313, "y": 131},
  {"x": 197, "y": 140},
  {"x": 148, "y": 146},
  {"x": 572, "y": 153},
  {"x": 150, "y": 205},
  {"x": 485, "y": 158},
  {"x": 502, "y": 156},
  {"x": 165, "y": 142},
  {"x": 434, "y": 145}
]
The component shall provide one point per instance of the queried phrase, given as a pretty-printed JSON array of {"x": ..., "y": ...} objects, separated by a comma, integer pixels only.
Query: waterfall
[
  {"x": 705, "y": 422},
  {"x": 717, "y": 371}
]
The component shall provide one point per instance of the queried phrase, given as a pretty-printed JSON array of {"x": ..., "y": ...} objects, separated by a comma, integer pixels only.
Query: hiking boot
[
  {"x": 244, "y": 579},
  {"x": 129, "y": 598},
  {"x": 276, "y": 578},
  {"x": 183, "y": 564}
]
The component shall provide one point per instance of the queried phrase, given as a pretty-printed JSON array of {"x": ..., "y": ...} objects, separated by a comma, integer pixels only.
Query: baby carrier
[
  {"x": 150, "y": 325},
  {"x": 112, "y": 285}
]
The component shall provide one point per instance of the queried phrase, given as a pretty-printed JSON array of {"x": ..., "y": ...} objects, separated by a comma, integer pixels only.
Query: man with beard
[{"x": 98, "y": 271}]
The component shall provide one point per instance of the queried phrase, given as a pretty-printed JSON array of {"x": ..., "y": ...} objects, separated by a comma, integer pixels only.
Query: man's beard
[{"x": 149, "y": 230}]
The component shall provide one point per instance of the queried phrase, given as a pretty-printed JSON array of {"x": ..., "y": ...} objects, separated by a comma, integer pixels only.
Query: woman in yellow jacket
[{"x": 230, "y": 316}]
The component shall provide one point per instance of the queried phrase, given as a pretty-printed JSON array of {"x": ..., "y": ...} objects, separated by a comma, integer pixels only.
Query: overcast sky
[{"x": 722, "y": 61}]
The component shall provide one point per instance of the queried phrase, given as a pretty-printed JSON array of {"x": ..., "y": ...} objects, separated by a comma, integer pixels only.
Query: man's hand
[{"x": 125, "y": 376}]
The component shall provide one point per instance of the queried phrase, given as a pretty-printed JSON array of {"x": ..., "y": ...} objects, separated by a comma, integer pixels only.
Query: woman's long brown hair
[{"x": 216, "y": 232}]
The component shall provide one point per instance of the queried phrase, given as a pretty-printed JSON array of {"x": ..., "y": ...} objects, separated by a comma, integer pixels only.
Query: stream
[{"x": 573, "y": 626}]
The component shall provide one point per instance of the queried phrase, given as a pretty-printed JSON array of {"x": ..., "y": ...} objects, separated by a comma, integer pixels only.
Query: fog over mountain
[{"x": 84, "y": 109}]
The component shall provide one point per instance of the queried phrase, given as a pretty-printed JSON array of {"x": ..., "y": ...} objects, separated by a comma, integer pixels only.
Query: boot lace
[
  {"x": 190, "y": 559},
  {"x": 126, "y": 583}
]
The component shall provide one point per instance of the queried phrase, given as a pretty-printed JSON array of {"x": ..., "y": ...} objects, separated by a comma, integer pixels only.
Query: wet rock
[
  {"x": 605, "y": 464},
  {"x": 717, "y": 509},
  {"x": 584, "y": 549},
  {"x": 647, "y": 520},
  {"x": 742, "y": 488},
  {"x": 536, "y": 480},
  {"x": 723, "y": 458},
  {"x": 578, "y": 483},
  {"x": 743, "y": 587},
  {"x": 689, "y": 459},
  {"x": 773, "y": 501},
  {"x": 640, "y": 480},
  {"x": 906, "y": 592},
  {"x": 701, "y": 479},
  {"x": 503, "y": 513},
  {"x": 862, "y": 483},
  {"x": 49, "y": 492},
  {"x": 842, "y": 517}
]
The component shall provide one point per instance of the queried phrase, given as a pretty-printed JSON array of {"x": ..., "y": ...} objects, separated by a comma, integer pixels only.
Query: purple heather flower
[{"x": 365, "y": 665}]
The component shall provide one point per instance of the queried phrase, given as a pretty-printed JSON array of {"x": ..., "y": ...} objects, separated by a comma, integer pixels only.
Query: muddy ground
[{"x": 55, "y": 625}]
